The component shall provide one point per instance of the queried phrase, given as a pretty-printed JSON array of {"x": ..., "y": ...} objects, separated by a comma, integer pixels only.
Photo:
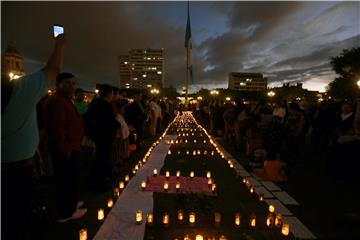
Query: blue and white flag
[{"x": 188, "y": 45}]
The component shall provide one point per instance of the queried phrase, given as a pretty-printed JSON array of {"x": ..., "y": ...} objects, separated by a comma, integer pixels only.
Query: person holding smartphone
[{"x": 20, "y": 138}]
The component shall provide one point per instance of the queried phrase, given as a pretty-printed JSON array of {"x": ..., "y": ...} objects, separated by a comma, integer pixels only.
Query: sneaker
[
  {"x": 77, "y": 214},
  {"x": 79, "y": 204}
]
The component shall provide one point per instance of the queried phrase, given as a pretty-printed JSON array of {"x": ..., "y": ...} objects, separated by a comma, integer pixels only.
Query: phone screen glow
[{"x": 58, "y": 30}]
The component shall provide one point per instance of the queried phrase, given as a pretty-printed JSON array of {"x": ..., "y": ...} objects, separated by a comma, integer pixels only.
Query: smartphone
[{"x": 58, "y": 29}]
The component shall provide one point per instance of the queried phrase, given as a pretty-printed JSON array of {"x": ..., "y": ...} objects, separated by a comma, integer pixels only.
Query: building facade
[
  {"x": 12, "y": 63},
  {"x": 142, "y": 68},
  {"x": 247, "y": 81}
]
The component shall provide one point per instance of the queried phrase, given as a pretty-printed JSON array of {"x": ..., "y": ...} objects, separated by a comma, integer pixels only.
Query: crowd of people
[
  {"x": 271, "y": 134},
  {"x": 44, "y": 135}
]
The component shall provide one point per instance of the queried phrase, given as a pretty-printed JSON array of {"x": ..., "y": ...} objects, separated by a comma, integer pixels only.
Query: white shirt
[
  {"x": 124, "y": 127},
  {"x": 155, "y": 109}
]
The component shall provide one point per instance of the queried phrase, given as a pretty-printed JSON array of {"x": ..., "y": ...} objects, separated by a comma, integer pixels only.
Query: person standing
[
  {"x": 65, "y": 130},
  {"x": 136, "y": 115},
  {"x": 79, "y": 102},
  {"x": 105, "y": 128},
  {"x": 155, "y": 116},
  {"x": 20, "y": 138}
]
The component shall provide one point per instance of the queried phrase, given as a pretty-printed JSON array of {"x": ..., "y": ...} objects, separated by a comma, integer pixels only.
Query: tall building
[
  {"x": 124, "y": 71},
  {"x": 247, "y": 81},
  {"x": 142, "y": 68},
  {"x": 12, "y": 63}
]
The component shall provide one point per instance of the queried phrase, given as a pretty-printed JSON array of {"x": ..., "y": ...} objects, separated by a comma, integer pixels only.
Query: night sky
[{"x": 287, "y": 41}]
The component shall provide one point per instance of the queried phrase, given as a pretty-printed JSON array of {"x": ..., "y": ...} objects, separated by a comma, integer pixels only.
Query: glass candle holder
[
  {"x": 271, "y": 208},
  {"x": 208, "y": 174},
  {"x": 121, "y": 185},
  {"x": 155, "y": 172},
  {"x": 180, "y": 215},
  {"x": 149, "y": 218},
  {"x": 138, "y": 217},
  {"x": 278, "y": 220},
  {"x": 166, "y": 219},
  {"x": 83, "y": 234},
  {"x": 110, "y": 203},
  {"x": 101, "y": 214},
  {"x": 237, "y": 219},
  {"x": 217, "y": 218},
  {"x": 253, "y": 220},
  {"x": 143, "y": 185},
  {"x": 192, "y": 174},
  {"x": 177, "y": 174},
  {"x": 192, "y": 218},
  {"x": 285, "y": 229}
]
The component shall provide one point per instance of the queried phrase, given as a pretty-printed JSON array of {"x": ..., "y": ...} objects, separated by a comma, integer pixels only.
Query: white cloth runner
[
  {"x": 297, "y": 228},
  {"x": 120, "y": 222},
  {"x": 285, "y": 198},
  {"x": 263, "y": 190},
  {"x": 271, "y": 186}
]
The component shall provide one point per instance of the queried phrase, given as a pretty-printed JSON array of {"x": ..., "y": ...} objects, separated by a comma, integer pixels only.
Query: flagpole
[{"x": 187, "y": 78}]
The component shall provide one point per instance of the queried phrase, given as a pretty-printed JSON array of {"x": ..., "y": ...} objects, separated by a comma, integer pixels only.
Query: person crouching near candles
[
  {"x": 272, "y": 170},
  {"x": 65, "y": 130}
]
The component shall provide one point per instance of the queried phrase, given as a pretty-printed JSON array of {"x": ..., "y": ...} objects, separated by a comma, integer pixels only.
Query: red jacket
[{"x": 63, "y": 124}]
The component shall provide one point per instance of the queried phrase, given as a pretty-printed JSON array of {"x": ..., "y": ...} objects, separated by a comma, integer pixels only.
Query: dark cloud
[{"x": 269, "y": 37}]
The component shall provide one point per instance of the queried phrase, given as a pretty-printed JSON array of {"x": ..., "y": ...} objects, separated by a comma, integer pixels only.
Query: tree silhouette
[{"x": 347, "y": 66}]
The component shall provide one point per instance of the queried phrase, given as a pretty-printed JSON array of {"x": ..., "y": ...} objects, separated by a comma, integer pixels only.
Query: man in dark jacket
[{"x": 104, "y": 132}]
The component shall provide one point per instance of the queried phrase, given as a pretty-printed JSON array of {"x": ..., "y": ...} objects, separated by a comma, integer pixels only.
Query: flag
[{"x": 188, "y": 45}]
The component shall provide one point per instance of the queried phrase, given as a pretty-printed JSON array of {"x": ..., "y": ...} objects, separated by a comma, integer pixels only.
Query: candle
[
  {"x": 155, "y": 171},
  {"x": 208, "y": 174},
  {"x": 149, "y": 218},
  {"x": 213, "y": 187},
  {"x": 194, "y": 140},
  {"x": 169, "y": 152},
  {"x": 194, "y": 152},
  {"x": 167, "y": 174},
  {"x": 116, "y": 192},
  {"x": 210, "y": 182},
  {"x": 205, "y": 152},
  {"x": 192, "y": 218},
  {"x": 237, "y": 219},
  {"x": 176, "y": 142},
  {"x": 217, "y": 219},
  {"x": 270, "y": 220},
  {"x": 177, "y": 174},
  {"x": 138, "y": 217},
  {"x": 278, "y": 220},
  {"x": 180, "y": 215},
  {"x": 186, "y": 140},
  {"x": 285, "y": 230},
  {"x": 199, "y": 237},
  {"x": 110, "y": 203},
  {"x": 231, "y": 165},
  {"x": 261, "y": 197},
  {"x": 192, "y": 174},
  {"x": 271, "y": 208},
  {"x": 251, "y": 189},
  {"x": 166, "y": 186},
  {"x": 101, "y": 214},
  {"x": 187, "y": 152},
  {"x": 172, "y": 141},
  {"x": 127, "y": 178},
  {"x": 178, "y": 152},
  {"x": 212, "y": 153},
  {"x": 187, "y": 237},
  {"x": 83, "y": 234},
  {"x": 166, "y": 219},
  {"x": 143, "y": 185},
  {"x": 177, "y": 186},
  {"x": 121, "y": 185},
  {"x": 204, "y": 141},
  {"x": 253, "y": 221}
]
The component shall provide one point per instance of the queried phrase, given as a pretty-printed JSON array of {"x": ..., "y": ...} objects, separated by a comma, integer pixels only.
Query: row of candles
[
  {"x": 194, "y": 152},
  {"x": 166, "y": 185},
  {"x": 182, "y": 141},
  {"x": 272, "y": 220},
  {"x": 117, "y": 190}
]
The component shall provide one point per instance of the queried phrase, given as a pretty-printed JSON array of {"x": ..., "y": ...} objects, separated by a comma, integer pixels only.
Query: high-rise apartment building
[
  {"x": 142, "y": 68},
  {"x": 247, "y": 81}
]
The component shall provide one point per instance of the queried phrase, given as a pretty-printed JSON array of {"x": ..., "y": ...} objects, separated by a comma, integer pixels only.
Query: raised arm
[{"x": 55, "y": 62}]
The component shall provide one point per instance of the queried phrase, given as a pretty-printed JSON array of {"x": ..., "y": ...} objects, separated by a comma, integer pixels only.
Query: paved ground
[{"x": 328, "y": 207}]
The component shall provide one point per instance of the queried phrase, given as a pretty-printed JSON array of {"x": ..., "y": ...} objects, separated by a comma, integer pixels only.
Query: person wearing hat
[
  {"x": 19, "y": 140},
  {"x": 65, "y": 130}
]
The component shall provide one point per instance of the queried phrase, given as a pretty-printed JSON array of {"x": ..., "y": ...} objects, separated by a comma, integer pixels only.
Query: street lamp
[
  {"x": 199, "y": 98},
  {"x": 271, "y": 94},
  {"x": 227, "y": 98},
  {"x": 154, "y": 91},
  {"x": 358, "y": 83},
  {"x": 96, "y": 91}
]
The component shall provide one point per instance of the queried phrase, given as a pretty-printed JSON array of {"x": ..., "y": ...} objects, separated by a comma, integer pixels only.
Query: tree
[{"x": 347, "y": 66}]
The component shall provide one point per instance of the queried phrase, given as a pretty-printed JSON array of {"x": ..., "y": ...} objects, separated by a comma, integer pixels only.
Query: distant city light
[
  {"x": 159, "y": 72},
  {"x": 358, "y": 83},
  {"x": 199, "y": 98},
  {"x": 227, "y": 98},
  {"x": 144, "y": 75},
  {"x": 125, "y": 62},
  {"x": 149, "y": 85},
  {"x": 96, "y": 90},
  {"x": 271, "y": 94}
]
